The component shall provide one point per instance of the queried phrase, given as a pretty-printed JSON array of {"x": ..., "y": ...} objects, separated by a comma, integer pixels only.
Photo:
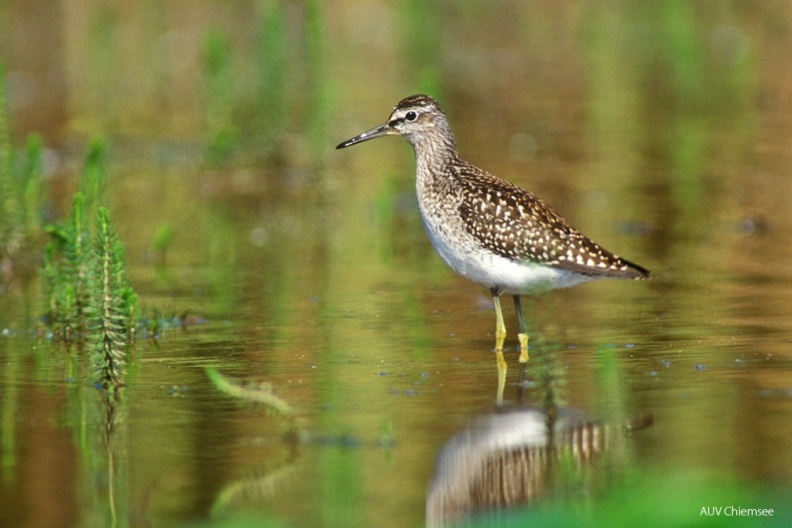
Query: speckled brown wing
[{"x": 513, "y": 223}]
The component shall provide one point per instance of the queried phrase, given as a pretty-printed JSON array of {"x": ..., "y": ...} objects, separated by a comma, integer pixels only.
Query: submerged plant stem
[{"x": 260, "y": 394}]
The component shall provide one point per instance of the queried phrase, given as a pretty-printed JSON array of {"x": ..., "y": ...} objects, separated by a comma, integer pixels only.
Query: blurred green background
[{"x": 661, "y": 129}]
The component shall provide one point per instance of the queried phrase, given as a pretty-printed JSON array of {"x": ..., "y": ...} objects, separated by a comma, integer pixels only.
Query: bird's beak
[{"x": 380, "y": 131}]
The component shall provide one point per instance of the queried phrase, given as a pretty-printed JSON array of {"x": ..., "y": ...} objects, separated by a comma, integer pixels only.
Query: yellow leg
[
  {"x": 523, "y": 347},
  {"x": 523, "y": 335},
  {"x": 500, "y": 336}
]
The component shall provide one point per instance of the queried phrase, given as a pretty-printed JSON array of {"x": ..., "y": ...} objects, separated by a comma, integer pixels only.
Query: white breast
[{"x": 462, "y": 253}]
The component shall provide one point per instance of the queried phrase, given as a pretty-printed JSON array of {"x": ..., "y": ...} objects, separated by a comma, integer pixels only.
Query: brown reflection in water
[
  {"x": 40, "y": 494},
  {"x": 510, "y": 459},
  {"x": 255, "y": 487}
]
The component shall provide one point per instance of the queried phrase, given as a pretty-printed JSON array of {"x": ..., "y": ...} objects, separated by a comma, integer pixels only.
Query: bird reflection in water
[{"x": 509, "y": 458}]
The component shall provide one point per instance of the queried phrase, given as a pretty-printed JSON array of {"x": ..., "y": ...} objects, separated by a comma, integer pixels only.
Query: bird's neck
[{"x": 434, "y": 155}]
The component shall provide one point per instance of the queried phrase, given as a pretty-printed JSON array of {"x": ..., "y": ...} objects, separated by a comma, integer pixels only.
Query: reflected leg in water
[
  {"x": 523, "y": 337},
  {"x": 500, "y": 336}
]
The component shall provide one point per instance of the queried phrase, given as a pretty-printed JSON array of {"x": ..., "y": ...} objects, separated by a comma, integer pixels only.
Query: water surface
[{"x": 660, "y": 134}]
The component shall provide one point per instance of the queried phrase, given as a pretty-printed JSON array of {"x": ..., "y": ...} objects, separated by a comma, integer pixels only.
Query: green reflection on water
[
  {"x": 657, "y": 498},
  {"x": 8, "y": 416},
  {"x": 341, "y": 488}
]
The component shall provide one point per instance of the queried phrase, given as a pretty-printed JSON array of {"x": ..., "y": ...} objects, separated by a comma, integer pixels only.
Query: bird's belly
[
  {"x": 510, "y": 276},
  {"x": 491, "y": 270}
]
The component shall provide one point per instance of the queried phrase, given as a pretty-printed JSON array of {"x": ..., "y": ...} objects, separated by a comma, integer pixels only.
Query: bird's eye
[{"x": 410, "y": 116}]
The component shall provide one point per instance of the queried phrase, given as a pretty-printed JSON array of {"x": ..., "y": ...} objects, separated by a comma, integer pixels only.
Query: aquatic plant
[
  {"x": 32, "y": 176},
  {"x": 20, "y": 185},
  {"x": 423, "y": 46},
  {"x": 318, "y": 86},
  {"x": 94, "y": 174},
  {"x": 218, "y": 94},
  {"x": 272, "y": 66},
  {"x": 161, "y": 242},
  {"x": 8, "y": 204},
  {"x": 89, "y": 303},
  {"x": 113, "y": 305},
  {"x": 88, "y": 298},
  {"x": 285, "y": 78},
  {"x": 65, "y": 273},
  {"x": 260, "y": 393}
]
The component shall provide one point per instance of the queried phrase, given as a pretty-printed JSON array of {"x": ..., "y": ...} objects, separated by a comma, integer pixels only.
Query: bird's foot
[
  {"x": 502, "y": 368},
  {"x": 523, "y": 347}
]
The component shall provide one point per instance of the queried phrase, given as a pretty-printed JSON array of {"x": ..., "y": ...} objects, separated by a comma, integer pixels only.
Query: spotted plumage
[
  {"x": 515, "y": 224},
  {"x": 487, "y": 229}
]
